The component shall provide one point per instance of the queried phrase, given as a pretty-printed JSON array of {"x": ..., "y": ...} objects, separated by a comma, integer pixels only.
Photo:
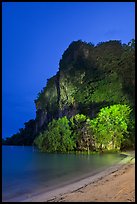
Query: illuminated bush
[
  {"x": 110, "y": 125},
  {"x": 57, "y": 138}
]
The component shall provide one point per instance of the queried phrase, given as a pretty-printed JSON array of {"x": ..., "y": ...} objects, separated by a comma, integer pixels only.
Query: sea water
[{"x": 26, "y": 171}]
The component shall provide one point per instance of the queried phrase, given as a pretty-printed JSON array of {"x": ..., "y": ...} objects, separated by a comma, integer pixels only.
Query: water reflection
[{"x": 30, "y": 170}]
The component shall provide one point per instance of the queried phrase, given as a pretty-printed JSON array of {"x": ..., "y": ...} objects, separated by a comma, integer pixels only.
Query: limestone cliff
[
  {"x": 86, "y": 81},
  {"x": 89, "y": 77}
]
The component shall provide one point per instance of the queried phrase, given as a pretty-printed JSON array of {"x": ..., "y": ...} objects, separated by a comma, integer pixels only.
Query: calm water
[{"x": 26, "y": 171}]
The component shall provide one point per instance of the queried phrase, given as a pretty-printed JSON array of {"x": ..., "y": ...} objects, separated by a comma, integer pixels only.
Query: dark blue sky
[{"x": 34, "y": 37}]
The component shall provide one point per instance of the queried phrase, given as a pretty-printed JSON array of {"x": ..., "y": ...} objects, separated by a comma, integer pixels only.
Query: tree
[
  {"x": 110, "y": 126},
  {"x": 82, "y": 133},
  {"x": 57, "y": 138}
]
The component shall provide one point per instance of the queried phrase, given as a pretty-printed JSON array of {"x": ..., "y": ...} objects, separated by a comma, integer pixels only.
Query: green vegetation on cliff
[
  {"x": 105, "y": 132},
  {"x": 57, "y": 137},
  {"x": 89, "y": 79}
]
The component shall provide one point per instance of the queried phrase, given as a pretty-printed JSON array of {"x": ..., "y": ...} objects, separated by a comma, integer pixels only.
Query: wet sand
[
  {"x": 116, "y": 184},
  {"x": 116, "y": 187}
]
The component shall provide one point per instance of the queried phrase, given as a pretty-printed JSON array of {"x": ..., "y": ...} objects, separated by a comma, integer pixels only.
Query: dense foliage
[
  {"x": 90, "y": 78},
  {"x": 82, "y": 132},
  {"x": 110, "y": 126},
  {"x": 105, "y": 132},
  {"x": 57, "y": 138},
  {"x": 25, "y": 136}
]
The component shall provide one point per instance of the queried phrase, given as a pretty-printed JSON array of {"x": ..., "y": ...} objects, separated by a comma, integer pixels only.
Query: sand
[
  {"x": 116, "y": 187},
  {"x": 116, "y": 184}
]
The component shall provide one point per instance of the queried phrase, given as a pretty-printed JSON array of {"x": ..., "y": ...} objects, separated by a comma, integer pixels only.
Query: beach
[
  {"x": 116, "y": 184},
  {"x": 119, "y": 186}
]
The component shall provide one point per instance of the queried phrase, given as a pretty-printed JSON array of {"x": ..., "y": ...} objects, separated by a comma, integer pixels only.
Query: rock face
[
  {"x": 89, "y": 78},
  {"x": 58, "y": 98},
  {"x": 85, "y": 73}
]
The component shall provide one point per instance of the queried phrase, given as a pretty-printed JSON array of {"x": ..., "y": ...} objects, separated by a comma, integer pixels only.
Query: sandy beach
[
  {"x": 119, "y": 186},
  {"x": 116, "y": 184}
]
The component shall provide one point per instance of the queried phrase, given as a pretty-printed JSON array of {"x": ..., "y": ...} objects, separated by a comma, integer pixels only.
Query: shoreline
[
  {"x": 71, "y": 192},
  {"x": 119, "y": 186}
]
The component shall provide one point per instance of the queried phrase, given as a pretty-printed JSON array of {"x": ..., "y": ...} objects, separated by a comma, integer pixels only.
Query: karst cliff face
[
  {"x": 58, "y": 98},
  {"x": 89, "y": 77},
  {"x": 86, "y": 81}
]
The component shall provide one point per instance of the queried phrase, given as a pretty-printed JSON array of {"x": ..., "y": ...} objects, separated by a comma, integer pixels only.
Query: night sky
[{"x": 34, "y": 37}]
